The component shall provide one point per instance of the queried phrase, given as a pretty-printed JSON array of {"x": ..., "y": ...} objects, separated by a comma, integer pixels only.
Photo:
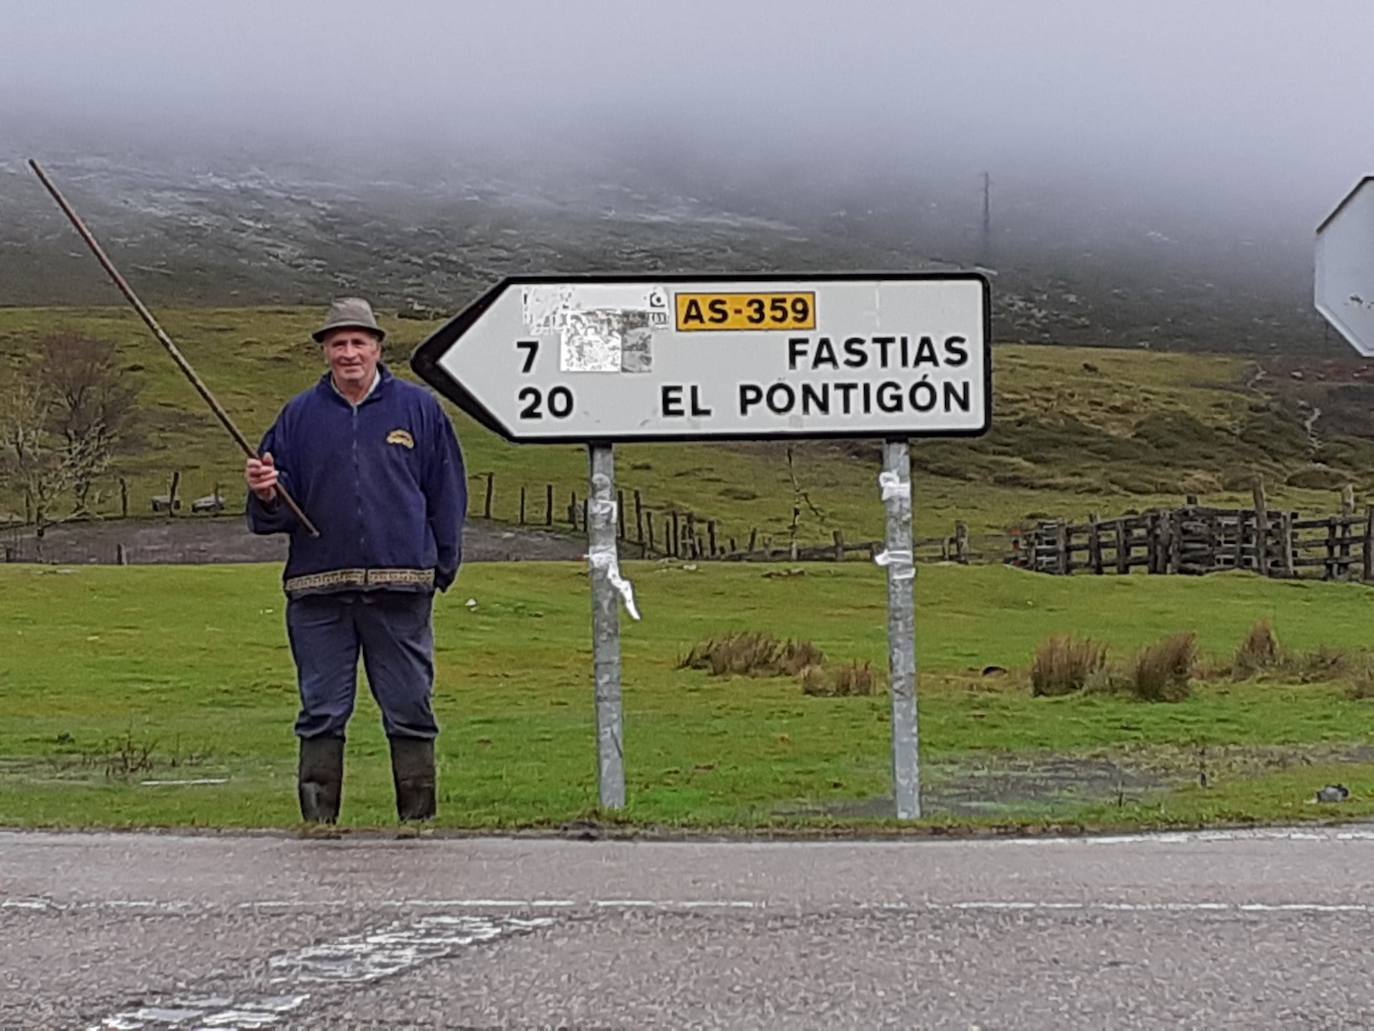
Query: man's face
[{"x": 352, "y": 355}]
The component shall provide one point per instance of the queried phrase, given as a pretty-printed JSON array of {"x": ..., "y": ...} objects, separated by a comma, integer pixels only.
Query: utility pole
[{"x": 985, "y": 252}]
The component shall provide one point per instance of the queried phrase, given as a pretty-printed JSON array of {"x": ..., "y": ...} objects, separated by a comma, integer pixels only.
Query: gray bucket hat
[{"x": 349, "y": 313}]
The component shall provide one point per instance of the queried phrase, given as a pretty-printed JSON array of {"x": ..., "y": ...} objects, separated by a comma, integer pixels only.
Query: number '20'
[{"x": 559, "y": 402}]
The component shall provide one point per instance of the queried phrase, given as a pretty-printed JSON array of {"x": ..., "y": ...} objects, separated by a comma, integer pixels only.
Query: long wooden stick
[{"x": 165, "y": 340}]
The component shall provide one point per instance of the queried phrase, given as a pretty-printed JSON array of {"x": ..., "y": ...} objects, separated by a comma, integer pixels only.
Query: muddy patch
[{"x": 1019, "y": 785}]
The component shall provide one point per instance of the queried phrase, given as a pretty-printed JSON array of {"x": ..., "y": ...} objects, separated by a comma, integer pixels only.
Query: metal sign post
[
  {"x": 901, "y": 628},
  {"x": 599, "y": 360},
  {"x": 601, "y": 552}
]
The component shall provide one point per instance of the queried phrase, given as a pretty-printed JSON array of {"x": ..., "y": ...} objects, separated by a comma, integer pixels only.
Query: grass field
[
  {"x": 1075, "y": 430},
  {"x": 112, "y": 678}
]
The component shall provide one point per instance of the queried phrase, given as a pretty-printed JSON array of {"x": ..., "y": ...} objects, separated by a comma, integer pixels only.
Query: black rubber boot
[
  {"x": 412, "y": 768},
  {"x": 320, "y": 781}
]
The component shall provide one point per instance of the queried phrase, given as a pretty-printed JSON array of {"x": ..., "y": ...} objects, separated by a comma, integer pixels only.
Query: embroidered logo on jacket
[{"x": 401, "y": 437}]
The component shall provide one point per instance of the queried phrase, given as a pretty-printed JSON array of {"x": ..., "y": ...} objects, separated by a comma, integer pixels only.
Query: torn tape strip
[
  {"x": 603, "y": 557},
  {"x": 899, "y": 561},
  {"x": 603, "y": 513},
  {"x": 893, "y": 487}
]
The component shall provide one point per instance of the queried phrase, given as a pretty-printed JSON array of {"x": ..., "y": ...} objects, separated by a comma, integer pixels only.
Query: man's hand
[{"x": 261, "y": 474}]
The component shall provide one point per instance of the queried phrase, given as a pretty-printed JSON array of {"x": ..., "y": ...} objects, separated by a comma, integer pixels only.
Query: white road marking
[
  {"x": 688, "y": 905},
  {"x": 376, "y": 954},
  {"x": 1165, "y": 838},
  {"x": 210, "y": 1011},
  {"x": 1155, "y": 907},
  {"x": 306, "y": 973}
]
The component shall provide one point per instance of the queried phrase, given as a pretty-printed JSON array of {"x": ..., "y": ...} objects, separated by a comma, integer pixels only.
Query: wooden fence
[
  {"x": 643, "y": 531},
  {"x": 676, "y": 533},
  {"x": 654, "y": 532},
  {"x": 1196, "y": 540}
]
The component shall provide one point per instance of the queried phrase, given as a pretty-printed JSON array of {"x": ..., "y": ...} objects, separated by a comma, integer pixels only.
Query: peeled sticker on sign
[{"x": 600, "y": 329}]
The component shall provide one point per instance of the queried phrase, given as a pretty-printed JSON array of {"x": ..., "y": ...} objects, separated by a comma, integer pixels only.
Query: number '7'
[{"x": 531, "y": 348}]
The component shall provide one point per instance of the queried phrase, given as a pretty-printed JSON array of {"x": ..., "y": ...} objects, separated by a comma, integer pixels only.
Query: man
[{"x": 374, "y": 462}]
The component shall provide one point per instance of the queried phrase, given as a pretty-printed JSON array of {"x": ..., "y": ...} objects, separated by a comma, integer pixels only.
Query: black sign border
[{"x": 424, "y": 361}]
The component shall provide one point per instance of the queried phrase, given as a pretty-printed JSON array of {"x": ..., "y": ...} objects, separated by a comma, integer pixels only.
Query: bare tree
[
  {"x": 93, "y": 408},
  {"x": 61, "y": 423},
  {"x": 33, "y": 458}
]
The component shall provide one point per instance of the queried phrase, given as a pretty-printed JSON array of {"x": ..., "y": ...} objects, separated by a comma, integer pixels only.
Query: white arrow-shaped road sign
[
  {"x": 623, "y": 358},
  {"x": 1344, "y": 286}
]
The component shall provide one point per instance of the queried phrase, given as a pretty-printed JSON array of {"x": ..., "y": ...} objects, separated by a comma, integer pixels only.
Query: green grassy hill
[{"x": 1075, "y": 430}]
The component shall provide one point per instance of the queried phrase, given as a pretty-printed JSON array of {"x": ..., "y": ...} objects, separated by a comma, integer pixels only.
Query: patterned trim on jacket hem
[{"x": 359, "y": 579}]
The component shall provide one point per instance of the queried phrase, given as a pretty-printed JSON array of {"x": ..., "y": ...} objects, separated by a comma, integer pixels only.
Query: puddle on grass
[{"x": 1006, "y": 785}]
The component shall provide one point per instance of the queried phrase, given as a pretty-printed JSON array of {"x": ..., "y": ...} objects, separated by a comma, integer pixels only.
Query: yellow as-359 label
[{"x": 754, "y": 312}]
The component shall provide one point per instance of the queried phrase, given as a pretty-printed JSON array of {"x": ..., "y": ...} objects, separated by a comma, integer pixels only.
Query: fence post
[
  {"x": 1369, "y": 543},
  {"x": 1095, "y": 544},
  {"x": 1330, "y": 569},
  {"x": 1343, "y": 552},
  {"x": 838, "y": 536},
  {"x": 1123, "y": 546},
  {"x": 123, "y": 498},
  {"x": 121, "y": 556},
  {"x": 649, "y": 530},
  {"x": 711, "y": 536},
  {"x": 1261, "y": 530},
  {"x": 961, "y": 542},
  {"x": 639, "y": 517},
  {"x": 548, "y": 504},
  {"x": 754, "y": 536},
  {"x": 1061, "y": 546},
  {"x": 1286, "y": 544},
  {"x": 670, "y": 535},
  {"x": 1213, "y": 542},
  {"x": 522, "y": 504},
  {"x": 572, "y": 508},
  {"x": 172, "y": 493},
  {"x": 491, "y": 496}
]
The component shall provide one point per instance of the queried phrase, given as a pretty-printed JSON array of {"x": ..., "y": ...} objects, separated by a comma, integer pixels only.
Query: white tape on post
[
  {"x": 899, "y": 562},
  {"x": 894, "y": 487}
]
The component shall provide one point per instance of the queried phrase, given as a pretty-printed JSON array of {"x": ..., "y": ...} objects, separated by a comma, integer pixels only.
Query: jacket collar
[{"x": 326, "y": 386}]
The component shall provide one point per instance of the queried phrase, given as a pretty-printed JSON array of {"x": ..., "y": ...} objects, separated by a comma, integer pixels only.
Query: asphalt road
[{"x": 1246, "y": 930}]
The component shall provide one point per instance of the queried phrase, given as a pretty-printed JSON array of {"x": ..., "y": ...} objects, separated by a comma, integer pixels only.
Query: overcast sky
[{"x": 1239, "y": 104}]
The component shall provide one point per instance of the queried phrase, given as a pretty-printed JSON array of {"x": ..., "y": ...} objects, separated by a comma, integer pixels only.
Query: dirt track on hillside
[{"x": 198, "y": 540}]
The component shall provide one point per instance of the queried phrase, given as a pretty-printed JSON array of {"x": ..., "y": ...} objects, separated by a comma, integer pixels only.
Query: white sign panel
[
  {"x": 1344, "y": 291},
  {"x": 609, "y": 359}
]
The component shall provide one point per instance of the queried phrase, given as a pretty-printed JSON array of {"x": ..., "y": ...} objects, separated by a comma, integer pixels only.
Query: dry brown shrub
[
  {"x": 752, "y": 653},
  {"x": 1324, "y": 664},
  {"x": 851, "y": 679},
  {"x": 1362, "y": 680},
  {"x": 1259, "y": 651},
  {"x": 1064, "y": 663},
  {"x": 1163, "y": 671}
]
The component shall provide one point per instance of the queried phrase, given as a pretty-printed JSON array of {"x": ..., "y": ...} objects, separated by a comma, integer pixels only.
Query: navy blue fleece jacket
[{"x": 383, "y": 481}]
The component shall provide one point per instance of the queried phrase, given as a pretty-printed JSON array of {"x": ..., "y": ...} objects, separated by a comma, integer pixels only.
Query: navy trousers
[{"x": 394, "y": 632}]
